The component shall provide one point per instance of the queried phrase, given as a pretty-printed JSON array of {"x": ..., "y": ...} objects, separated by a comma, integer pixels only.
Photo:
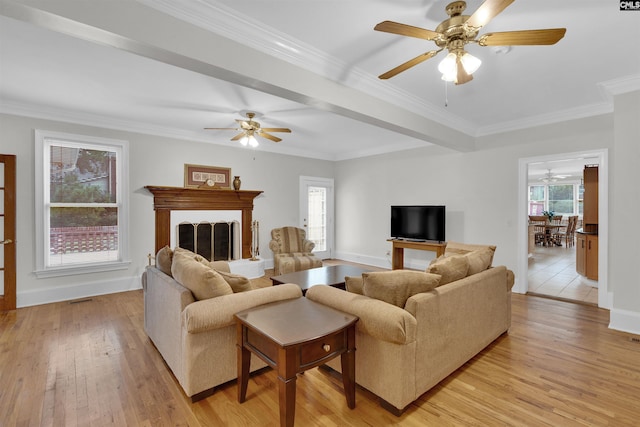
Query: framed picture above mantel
[{"x": 198, "y": 176}]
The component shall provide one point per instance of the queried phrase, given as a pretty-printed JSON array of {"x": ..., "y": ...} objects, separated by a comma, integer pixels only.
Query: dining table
[{"x": 550, "y": 231}]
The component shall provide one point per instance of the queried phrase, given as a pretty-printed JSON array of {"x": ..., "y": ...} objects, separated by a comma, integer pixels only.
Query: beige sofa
[
  {"x": 197, "y": 339},
  {"x": 404, "y": 352}
]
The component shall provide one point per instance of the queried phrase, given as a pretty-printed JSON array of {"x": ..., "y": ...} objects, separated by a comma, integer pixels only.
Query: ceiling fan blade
[
  {"x": 406, "y": 30},
  {"x": 238, "y": 136},
  {"x": 276, "y": 130},
  {"x": 221, "y": 128},
  {"x": 412, "y": 62},
  {"x": 486, "y": 12},
  {"x": 271, "y": 137},
  {"x": 462, "y": 77},
  {"x": 523, "y": 38}
]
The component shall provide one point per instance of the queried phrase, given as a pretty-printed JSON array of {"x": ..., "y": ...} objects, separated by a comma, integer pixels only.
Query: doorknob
[{"x": 5, "y": 242}]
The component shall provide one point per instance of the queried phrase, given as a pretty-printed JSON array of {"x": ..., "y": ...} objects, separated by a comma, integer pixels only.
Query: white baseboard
[
  {"x": 66, "y": 293},
  {"x": 364, "y": 259},
  {"x": 383, "y": 262},
  {"x": 625, "y": 321}
]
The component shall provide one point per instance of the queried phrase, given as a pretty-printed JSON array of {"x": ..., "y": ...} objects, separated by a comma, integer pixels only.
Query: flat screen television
[{"x": 418, "y": 223}]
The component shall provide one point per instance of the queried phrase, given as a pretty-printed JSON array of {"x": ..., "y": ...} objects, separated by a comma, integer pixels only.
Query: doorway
[
  {"x": 316, "y": 213},
  {"x": 560, "y": 261},
  {"x": 7, "y": 232}
]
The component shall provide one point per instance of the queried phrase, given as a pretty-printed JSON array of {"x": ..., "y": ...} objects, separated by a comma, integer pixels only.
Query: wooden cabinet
[
  {"x": 581, "y": 254},
  {"x": 592, "y": 256},
  {"x": 590, "y": 199},
  {"x": 587, "y": 237},
  {"x": 587, "y": 255}
]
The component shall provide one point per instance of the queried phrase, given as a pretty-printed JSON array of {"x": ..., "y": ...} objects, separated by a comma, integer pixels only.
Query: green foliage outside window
[{"x": 89, "y": 182}]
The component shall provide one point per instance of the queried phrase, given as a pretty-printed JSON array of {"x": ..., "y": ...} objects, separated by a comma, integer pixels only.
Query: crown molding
[
  {"x": 229, "y": 23},
  {"x": 607, "y": 89},
  {"x": 100, "y": 121},
  {"x": 547, "y": 119},
  {"x": 627, "y": 84}
]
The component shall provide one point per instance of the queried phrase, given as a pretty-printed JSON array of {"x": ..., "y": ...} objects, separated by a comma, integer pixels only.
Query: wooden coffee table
[
  {"x": 332, "y": 276},
  {"x": 293, "y": 336}
]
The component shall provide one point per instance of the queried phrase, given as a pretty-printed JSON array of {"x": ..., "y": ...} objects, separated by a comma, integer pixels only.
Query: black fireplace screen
[{"x": 215, "y": 241}]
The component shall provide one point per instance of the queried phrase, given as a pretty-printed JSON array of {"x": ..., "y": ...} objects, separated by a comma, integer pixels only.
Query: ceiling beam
[{"x": 138, "y": 29}]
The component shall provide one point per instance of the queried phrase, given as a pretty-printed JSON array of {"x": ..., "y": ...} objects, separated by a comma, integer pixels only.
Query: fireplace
[
  {"x": 169, "y": 199},
  {"x": 215, "y": 241}
]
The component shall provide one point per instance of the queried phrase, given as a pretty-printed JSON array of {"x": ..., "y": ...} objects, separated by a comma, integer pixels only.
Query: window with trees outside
[
  {"x": 562, "y": 199},
  {"x": 81, "y": 204}
]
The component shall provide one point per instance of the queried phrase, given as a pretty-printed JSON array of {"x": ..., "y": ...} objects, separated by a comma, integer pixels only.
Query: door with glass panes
[{"x": 316, "y": 213}]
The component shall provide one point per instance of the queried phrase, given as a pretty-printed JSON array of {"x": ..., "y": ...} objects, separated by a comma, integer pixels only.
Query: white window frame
[
  {"x": 546, "y": 200},
  {"x": 43, "y": 140}
]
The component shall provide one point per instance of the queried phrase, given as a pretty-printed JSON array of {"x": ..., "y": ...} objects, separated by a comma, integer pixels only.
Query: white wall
[
  {"x": 153, "y": 161},
  {"x": 624, "y": 200},
  {"x": 480, "y": 190}
]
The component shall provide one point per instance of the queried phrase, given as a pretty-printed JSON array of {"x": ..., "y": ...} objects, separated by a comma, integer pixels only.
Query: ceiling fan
[
  {"x": 457, "y": 31},
  {"x": 249, "y": 129},
  {"x": 550, "y": 178}
]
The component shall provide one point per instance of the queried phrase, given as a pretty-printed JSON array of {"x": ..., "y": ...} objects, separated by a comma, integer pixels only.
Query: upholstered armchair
[{"x": 292, "y": 251}]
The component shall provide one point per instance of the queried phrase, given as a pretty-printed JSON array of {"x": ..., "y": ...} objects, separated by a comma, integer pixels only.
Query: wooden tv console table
[{"x": 397, "y": 254}]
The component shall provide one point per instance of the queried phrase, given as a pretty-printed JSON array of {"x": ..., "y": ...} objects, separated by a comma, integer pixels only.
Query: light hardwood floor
[{"x": 90, "y": 364}]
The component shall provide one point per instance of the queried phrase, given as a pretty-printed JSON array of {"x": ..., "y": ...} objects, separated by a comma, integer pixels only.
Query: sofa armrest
[
  {"x": 379, "y": 319},
  {"x": 218, "y": 312},
  {"x": 307, "y": 246}
]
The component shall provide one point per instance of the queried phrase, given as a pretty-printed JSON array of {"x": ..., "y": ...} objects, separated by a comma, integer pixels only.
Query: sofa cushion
[
  {"x": 202, "y": 281},
  {"x": 479, "y": 260},
  {"x": 164, "y": 258},
  {"x": 237, "y": 282},
  {"x": 353, "y": 284},
  {"x": 396, "y": 286},
  {"x": 451, "y": 268},
  {"x": 456, "y": 248},
  {"x": 219, "y": 266}
]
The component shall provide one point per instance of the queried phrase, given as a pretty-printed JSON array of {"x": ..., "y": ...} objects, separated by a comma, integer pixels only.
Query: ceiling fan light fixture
[
  {"x": 244, "y": 141},
  {"x": 448, "y": 68},
  {"x": 253, "y": 142},
  {"x": 470, "y": 63}
]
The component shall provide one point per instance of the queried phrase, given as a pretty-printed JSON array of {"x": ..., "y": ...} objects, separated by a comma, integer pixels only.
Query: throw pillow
[
  {"x": 397, "y": 286},
  {"x": 479, "y": 260},
  {"x": 164, "y": 258},
  {"x": 456, "y": 248},
  {"x": 203, "y": 282},
  {"x": 237, "y": 282},
  {"x": 353, "y": 284},
  {"x": 451, "y": 268}
]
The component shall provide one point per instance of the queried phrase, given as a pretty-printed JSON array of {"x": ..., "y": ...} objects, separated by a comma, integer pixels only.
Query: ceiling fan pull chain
[{"x": 446, "y": 94}]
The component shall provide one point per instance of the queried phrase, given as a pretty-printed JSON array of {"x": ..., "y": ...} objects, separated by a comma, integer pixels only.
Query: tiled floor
[{"x": 552, "y": 272}]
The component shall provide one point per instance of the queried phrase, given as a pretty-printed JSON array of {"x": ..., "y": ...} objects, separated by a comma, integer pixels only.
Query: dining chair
[
  {"x": 567, "y": 234},
  {"x": 540, "y": 232}
]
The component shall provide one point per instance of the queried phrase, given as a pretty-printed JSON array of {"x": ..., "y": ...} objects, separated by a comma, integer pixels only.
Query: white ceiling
[{"x": 49, "y": 74}]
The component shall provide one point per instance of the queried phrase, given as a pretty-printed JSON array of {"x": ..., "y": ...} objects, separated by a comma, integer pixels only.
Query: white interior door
[{"x": 316, "y": 213}]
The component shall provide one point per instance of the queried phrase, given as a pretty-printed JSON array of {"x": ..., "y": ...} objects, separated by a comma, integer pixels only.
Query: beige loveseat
[
  {"x": 402, "y": 352},
  {"x": 197, "y": 338}
]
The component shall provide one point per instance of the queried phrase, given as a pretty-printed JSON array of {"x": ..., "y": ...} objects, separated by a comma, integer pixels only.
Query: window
[
  {"x": 536, "y": 199},
  {"x": 563, "y": 199},
  {"x": 81, "y": 204}
]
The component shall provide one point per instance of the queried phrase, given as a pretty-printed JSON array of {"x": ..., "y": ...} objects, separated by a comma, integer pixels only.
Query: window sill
[{"x": 81, "y": 269}]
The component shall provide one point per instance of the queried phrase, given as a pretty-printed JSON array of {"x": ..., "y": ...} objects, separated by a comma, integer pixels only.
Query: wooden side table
[
  {"x": 397, "y": 253},
  {"x": 293, "y": 336}
]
